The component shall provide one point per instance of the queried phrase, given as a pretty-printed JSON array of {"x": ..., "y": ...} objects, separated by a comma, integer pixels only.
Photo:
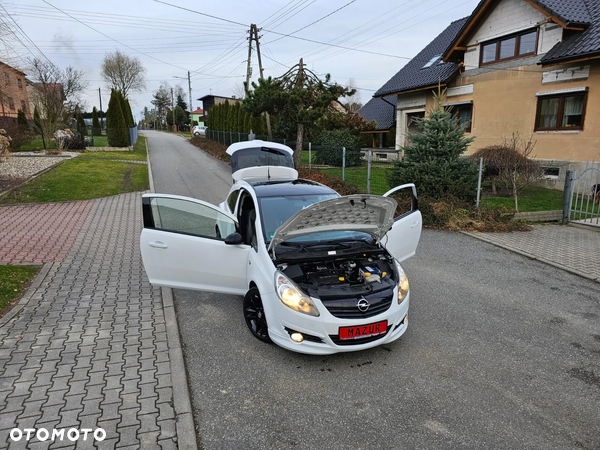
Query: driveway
[{"x": 501, "y": 352}]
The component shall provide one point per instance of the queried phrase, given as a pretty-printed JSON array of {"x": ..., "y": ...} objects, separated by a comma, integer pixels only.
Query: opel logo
[{"x": 363, "y": 304}]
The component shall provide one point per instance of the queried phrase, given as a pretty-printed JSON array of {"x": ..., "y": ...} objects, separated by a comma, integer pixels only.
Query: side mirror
[{"x": 234, "y": 239}]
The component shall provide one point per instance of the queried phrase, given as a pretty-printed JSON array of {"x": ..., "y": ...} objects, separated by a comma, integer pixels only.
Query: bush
[
  {"x": 453, "y": 214},
  {"x": 20, "y": 135},
  {"x": 329, "y": 148},
  {"x": 211, "y": 147},
  {"x": 96, "y": 127}
]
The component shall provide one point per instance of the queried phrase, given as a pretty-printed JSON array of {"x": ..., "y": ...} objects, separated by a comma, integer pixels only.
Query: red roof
[{"x": 198, "y": 111}]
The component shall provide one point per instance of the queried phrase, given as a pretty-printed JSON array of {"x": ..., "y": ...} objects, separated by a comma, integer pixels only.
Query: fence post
[
  {"x": 309, "y": 155},
  {"x": 479, "y": 181},
  {"x": 369, "y": 156},
  {"x": 567, "y": 197},
  {"x": 343, "y": 163}
]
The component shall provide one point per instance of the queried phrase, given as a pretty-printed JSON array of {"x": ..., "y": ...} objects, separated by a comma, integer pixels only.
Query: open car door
[
  {"x": 403, "y": 238},
  {"x": 183, "y": 245}
]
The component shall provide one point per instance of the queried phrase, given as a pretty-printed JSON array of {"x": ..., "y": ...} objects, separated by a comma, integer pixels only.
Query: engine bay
[{"x": 343, "y": 276}]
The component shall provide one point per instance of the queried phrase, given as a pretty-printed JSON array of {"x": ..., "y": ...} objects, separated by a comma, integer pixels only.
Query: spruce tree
[
  {"x": 96, "y": 128},
  {"x": 118, "y": 135},
  {"x": 432, "y": 159},
  {"x": 81, "y": 128},
  {"x": 22, "y": 119}
]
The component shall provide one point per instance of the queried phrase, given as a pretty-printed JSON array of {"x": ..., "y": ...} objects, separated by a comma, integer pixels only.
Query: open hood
[{"x": 370, "y": 214}]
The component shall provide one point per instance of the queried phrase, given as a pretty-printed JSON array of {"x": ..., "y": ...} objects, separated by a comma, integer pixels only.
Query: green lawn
[
  {"x": 533, "y": 199},
  {"x": 38, "y": 144},
  {"x": 138, "y": 153},
  {"x": 13, "y": 282},
  {"x": 82, "y": 179}
]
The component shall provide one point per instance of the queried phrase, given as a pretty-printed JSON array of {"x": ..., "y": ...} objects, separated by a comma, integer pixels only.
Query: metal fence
[
  {"x": 358, "y": 167},
  {"x": 581, "y": 196}
]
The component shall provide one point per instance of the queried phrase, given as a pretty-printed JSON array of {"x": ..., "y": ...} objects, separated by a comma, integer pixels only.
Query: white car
[
  {"x": 199, "y": 130},
  {"x": 319, "y": 273}
]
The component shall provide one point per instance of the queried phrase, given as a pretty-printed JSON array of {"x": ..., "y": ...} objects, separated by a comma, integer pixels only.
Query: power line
[
  {"x": 24, "y": 34},
  {"x": 318, "y": 20},
  {"x": 111, "y": 38},
  {"x": 283, "y": 34},
  {"x": 293, "y": 15},
  {"x": 280, "y": 9}
]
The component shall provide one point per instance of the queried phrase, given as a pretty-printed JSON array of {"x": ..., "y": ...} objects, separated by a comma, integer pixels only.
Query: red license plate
[{"x": 363, "y": 331}]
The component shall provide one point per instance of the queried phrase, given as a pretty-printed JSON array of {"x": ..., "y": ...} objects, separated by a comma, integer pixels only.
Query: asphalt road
[{"x": 501, "y": 352}]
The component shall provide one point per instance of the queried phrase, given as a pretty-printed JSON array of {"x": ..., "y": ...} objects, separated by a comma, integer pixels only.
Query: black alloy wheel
[{"x": 254, "y": 314}]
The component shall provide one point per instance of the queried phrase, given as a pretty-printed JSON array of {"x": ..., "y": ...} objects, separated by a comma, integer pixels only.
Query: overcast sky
[{"x": 171, "y": 41}]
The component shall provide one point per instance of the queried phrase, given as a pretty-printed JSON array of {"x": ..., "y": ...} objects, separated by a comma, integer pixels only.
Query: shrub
[
  {"x": 329, "y": 148},
  {"x": 19, "y": 135},
  {"x": 81, "y": 127},
  {"x": 433, "y": 159}
]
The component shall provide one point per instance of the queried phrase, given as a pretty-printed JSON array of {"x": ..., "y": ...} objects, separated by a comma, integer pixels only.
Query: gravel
[{"x": 22, "y": 167}]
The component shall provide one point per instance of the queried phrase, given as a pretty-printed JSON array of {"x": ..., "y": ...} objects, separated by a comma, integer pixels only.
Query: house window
[
  {"x": 432, "y": 61},
  {"x": 6, "y": 78},
  {"x": 464, "y": 115},
  {"x": 19, "y": 84},
  {"x": 561, "y": 112},
  {"x": 551, "y": 173},
  {"x": 381, "y": 155},
  {"x": 23, "y": 106},
  {"x": 11, "y": 103},
  {"x": 511, "y": 47}
]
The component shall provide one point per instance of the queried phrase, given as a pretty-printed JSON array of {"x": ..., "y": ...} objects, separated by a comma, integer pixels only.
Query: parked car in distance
[
  {"x": 320, "y": 273},
  {"x": 199, "y": 130}
]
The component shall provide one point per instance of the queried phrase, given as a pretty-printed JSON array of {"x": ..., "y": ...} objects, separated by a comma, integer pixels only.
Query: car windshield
[{"x": 275, "y": 211}]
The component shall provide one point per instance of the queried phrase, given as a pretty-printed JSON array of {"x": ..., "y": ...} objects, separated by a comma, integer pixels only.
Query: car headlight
[
  {"x": 402, "y": 283},
  {"x": 292, "y": 297}
]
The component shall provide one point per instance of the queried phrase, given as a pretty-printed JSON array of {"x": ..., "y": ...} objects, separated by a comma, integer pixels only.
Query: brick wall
[{"x": 13, "y": 92}]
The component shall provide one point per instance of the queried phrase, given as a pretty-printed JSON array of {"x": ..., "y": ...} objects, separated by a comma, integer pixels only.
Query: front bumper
[{"x": 322, "y": 331}]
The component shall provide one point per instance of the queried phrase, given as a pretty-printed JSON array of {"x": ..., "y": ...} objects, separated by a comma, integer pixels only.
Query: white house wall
[{"x": 407, "y": 103}]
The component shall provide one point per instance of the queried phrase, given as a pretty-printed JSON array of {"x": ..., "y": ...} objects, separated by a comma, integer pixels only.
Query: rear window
[{"x": 260, "y": 156}]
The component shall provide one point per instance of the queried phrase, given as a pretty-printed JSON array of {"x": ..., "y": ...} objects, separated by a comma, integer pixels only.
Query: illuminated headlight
[
  {"x": 402, "y": 284},
  {"x": 292, "y": 297}
]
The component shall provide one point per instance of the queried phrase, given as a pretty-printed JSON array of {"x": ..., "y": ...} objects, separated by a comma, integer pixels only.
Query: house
[
  {"x": 208, "y": 101},
  {"x": 13, "y": 93},
  {"x": 382, "y": 111},
  {"x": 198, "y": 116},
  {"x": 514, "y": 66}
]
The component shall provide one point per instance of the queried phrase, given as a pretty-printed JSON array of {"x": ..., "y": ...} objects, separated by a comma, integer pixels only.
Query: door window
[{"x": 186, "y": 217}]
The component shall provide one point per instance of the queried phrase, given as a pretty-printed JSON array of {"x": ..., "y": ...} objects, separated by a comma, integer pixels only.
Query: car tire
[{"x": 254, "y": 315}]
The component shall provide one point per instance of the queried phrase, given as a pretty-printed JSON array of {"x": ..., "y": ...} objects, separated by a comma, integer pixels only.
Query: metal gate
[{"x": 582, "y": 195}]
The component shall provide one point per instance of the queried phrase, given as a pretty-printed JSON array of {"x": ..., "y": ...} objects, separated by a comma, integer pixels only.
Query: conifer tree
[
  {"x": 96, "y": 128},
  {"x": 22, "y": 119},
  {"x": 116, "y": 127},
  {"x": 432, "y": 158},
  {"x": 81, "y": 127}
]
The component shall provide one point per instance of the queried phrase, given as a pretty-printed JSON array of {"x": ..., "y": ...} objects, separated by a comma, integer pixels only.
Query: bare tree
[
  {"x": 511, "y": 163},
  {"x": 178, "y": 91},
  {"x": 56, "y": 95},
  {"x": 353, "y": 102},
  {"x": 161, "y": 99},
  {"x": 123, "y": 72},
  {"x": 239, "y": 91}
]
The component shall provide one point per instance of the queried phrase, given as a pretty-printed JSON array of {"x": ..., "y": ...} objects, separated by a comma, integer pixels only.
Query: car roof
[{"x": 288, "y": 188}]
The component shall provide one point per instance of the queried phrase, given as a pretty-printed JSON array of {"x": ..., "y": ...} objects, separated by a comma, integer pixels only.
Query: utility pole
[
  {"x": 249, "y": 66},
  {"x": 260, "y": 67},
  {"x": 101, "y": 118},
  {"x": 191, "y": 109}
]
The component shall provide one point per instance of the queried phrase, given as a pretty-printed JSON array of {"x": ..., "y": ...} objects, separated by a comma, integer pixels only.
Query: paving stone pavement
[
  {"x": 570, "y": 248},
  {"x": 41, "y": 232},
  {"x": 90, "y": 347}
]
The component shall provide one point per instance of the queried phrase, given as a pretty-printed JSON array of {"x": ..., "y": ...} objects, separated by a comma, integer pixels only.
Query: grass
[
  {"x": 138, "y": 153},
  {"x": 82, "y": 179},
  {"x": 38, "y": 144},
  {"x": 533, "y": 199},
  {"x": 14, "y": 280}
]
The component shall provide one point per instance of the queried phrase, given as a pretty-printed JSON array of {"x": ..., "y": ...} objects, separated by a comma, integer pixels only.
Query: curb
[
  {"x": 530, "y": 256},
  {"x": 186, "y": 431},
  {"x": 41, "y": 276}
]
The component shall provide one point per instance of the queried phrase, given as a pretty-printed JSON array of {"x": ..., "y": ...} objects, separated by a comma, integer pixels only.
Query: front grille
[
  {"x": 336, "y": 339},
  {"x": 347, "y": 308}
]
